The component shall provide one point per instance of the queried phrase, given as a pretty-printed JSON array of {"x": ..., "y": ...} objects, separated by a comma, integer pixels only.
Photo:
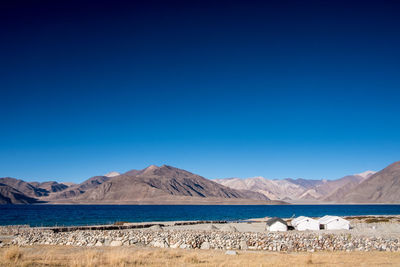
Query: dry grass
[
  {"x": 12, "y": 255},
  {"x": 129, "y": 256},
  {"x": 373, "y": 219},
  {"x": 120, "y": 223},
  {"x": 309, "y": 259},
  {"x": 376, "y": 220}
]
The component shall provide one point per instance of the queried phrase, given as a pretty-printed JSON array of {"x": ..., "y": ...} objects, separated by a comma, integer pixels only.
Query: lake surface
[{"x": 50, "y": 215}]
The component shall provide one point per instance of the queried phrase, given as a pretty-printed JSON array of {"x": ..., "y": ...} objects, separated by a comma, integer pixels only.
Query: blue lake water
[{"x": 50, "y": 215}]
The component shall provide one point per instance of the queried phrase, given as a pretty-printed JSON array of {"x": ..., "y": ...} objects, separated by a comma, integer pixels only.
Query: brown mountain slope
[
  {"x": 10, "y": 195},
  {"x": 353, "y": 181},
  {"x": 24, "y": 187},
  {"x": 305, "y": 183},
  {"x": 382, "y": 187},
  {"x": 273, "y": 189},
  {"x": 79, "y": 189},
  {"x": 298, "y": 190},
  {"x": 166, "y": 184},
  {"x": 326, "y": 190},
  {"x": 50, "y": 187},
  {"x": 339, "y": 193}
]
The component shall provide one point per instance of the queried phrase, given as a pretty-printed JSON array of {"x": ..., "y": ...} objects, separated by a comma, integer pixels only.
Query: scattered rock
[
  {"x": 176, "y": 245},
  {"x": 107, "y": 241},
  {"x": 160, "y": 244},
  {"x": 243, "y": 245},
  {"x": 214, "y": 239},
  {"x": 184, "y": 246},
  {"x": 116, "y": 243},
  {"x": 205, "y": 245}
]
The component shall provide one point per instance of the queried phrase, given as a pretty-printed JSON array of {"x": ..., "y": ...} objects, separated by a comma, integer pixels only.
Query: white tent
[
  {"x": 276, "y": 224},
  {"x": 303, "y": 223},
  {"x": 334, "y": 223}
]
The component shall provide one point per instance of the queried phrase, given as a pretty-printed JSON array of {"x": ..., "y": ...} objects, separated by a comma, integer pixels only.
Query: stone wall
[{"x": 193, "y": 239}]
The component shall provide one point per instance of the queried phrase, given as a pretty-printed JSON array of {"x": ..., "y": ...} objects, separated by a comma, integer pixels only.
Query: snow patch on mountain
[
  {"x": 112, "y": 174},
  {"x": 366, "y": 174}
]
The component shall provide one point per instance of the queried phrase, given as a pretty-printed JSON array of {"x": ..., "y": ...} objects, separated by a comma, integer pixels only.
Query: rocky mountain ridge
[
  {"x": 152, "y": 185},
  {"x": 300, "y": 190},
  {"x": 170, "y": 185}
]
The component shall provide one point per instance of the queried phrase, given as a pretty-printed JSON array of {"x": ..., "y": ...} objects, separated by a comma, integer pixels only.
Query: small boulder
[
  {"x": 116, "y": 243},
  {"x": 231, "y": 252},
  {"x": 243, "y": 245},
  {"x": 156, "y": 227},
  {"x": 176, "y": 245},
  {"x": 205, "y": 245},
  {"x": 107, "y": 242},
  {"x": 160, "y": 244},
  {"x": 184, "y": 246}
]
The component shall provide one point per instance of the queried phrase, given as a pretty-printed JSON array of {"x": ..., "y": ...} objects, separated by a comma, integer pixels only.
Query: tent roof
[
  {"x": 274, "y": 220},
  {"x": 327, "y": 219},
  {"x": 300, "y": 219}
]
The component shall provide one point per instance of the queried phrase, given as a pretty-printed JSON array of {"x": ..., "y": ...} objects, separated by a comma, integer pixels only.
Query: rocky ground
[
  {"x": 372, "y": 235},
  {"x": 191, "y": 239}
]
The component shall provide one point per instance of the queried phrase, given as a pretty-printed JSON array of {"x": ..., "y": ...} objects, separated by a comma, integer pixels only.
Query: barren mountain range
[
  {"x": 152, "y": 185},
  {"x": 298, "y": 190},
  {"x": 169, "y": 185}
]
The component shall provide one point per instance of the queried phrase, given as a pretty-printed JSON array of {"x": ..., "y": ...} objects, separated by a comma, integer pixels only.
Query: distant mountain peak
[
  {"x": 153, "y": 167},
  {"x": 112, "y": 174},
  {"x": 163, "y": 170},
  {"x": 257, "y": 177},
  {"x": 150, "y": 169}
]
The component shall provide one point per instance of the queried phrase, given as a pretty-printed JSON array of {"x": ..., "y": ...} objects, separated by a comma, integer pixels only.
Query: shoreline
[
  {"x": 171, "y": 222},
  {"x": 200, "y": 204}
]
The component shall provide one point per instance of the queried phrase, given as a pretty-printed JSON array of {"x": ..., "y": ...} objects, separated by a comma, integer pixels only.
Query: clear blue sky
[{"x": 229, "y": 89}]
